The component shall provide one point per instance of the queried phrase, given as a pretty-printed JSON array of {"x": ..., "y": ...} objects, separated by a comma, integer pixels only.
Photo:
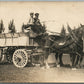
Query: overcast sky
[{"x": 55, "y": 13}]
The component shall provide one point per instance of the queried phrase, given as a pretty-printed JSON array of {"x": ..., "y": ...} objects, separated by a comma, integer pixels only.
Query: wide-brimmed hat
[
  {"x": 31, "y": 13},
  {"x": 36, "y": 14}
]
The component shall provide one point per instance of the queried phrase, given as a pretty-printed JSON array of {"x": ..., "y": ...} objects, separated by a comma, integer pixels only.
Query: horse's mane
[{"x": 78, "y": 31}]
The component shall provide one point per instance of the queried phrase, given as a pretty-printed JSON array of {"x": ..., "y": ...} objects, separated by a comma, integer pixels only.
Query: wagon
[{"x": 19, "y": 47}]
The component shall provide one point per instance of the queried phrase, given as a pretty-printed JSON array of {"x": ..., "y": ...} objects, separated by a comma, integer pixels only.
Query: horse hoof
[
  {"x": 74, "y": 68},
  {"x": 33, "y": 64},
  {"x": 37, "y": 65},
  {"x": 42, "y": 67},
  {"x": 58, "y": 66},
  {"x": 47, "y": 67},
  {"x": 78, "y": 67}
]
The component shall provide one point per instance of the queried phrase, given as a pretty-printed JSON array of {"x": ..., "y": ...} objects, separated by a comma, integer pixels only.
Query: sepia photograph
[{"x": 41, "y": 42}]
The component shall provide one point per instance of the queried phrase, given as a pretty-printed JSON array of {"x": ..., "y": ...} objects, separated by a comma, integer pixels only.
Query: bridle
[{"x": 74, "y": 37}]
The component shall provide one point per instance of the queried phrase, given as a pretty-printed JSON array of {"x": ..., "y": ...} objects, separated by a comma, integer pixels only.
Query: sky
[{"x": 55, "y": 14}]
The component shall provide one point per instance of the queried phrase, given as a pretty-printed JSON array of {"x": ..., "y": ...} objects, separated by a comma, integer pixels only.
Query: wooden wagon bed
[{"x": 17, "y": 39}]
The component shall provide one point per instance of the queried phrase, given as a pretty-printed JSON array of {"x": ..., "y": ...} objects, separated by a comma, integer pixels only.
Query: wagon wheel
[
  {"x": 9, "y": 58},
  {"x": 0, "y": 55},
  {"x": 20, "y": 58}
]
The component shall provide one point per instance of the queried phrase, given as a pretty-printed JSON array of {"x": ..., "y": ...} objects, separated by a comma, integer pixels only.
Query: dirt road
[{"x": 9, "y": 73}]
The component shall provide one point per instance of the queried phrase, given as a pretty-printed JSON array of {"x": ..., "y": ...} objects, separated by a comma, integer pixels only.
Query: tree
[
  {"x": 1, "y": 26},
  {"x": 22, "y": 28},
  {"x": 44, "y": 27},
  {"x": 63, "y": 31},
  {"x": 11, "y": 27}
]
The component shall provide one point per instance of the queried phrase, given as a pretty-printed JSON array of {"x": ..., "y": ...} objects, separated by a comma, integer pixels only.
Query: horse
[{"x": 73, "y": 45}]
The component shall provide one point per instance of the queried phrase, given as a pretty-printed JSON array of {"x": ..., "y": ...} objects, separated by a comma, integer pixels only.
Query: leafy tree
[
  {"x": 22, "y": 28},
  {"x": 44, "y": 28},
  {"x": 11, "y": 27},
  {"x": 63, "y": 31},
  {"x": 1, "y": 26}
]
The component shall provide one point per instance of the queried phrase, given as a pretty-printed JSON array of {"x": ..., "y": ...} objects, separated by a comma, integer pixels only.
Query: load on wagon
[
  {"x": 17, "y": 39},
  {"x": 18, "y": 47}
]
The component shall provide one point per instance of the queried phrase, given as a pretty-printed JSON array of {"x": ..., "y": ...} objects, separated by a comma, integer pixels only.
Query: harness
[{"x": 74, "y": 37}]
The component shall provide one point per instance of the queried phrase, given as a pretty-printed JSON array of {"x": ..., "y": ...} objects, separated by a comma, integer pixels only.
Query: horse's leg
[
  {"x": 76, "y": 61},
  {"x": 46, "y": 62},
  {"x": 56, "y": 57},
  {"x": 42, "y": 60},
  {"x": 60, "y": 59},
  {"x": 73, "y": 61},
  {"x": 80, "y": 61},
  {"x": 46, "y": 54},
  {"x": 71, "y": 57}
]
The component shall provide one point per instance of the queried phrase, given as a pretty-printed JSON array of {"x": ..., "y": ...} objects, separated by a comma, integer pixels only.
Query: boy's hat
[
  {"x": 36, "y": 14},
  {"x": 31, "y": 13}
]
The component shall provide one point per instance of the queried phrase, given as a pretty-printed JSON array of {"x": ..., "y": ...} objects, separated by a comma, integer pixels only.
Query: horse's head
[
  {"x": 79, "y": 32},
  {"x": 77, "y": 35}
]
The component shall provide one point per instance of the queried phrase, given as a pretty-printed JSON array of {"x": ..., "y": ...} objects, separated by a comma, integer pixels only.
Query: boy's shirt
[{"x": 31, "y": 21}]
